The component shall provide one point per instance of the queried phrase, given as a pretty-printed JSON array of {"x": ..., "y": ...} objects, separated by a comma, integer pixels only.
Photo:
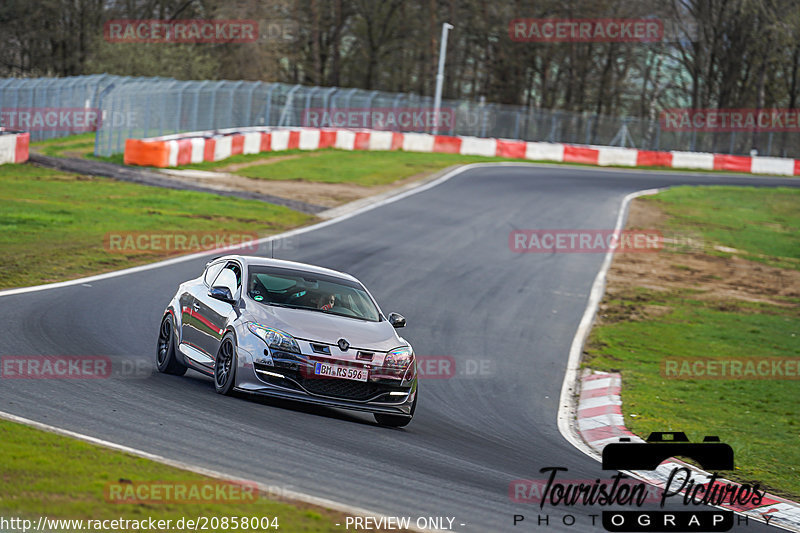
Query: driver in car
[{"x": 326, "y": 302}]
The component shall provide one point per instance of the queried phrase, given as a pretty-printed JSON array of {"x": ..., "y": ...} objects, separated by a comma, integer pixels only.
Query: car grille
[{"x": 342, "y": 388}]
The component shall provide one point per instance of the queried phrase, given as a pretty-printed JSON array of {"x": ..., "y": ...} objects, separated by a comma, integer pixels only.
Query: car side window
[
  {"x": 229, "y": 278},
  {"x": 211, "y": 273}
]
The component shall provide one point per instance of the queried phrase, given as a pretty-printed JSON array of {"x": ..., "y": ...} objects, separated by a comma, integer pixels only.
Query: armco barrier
[
  {"x": 13, "y": 146},
  {"x": 196, "y": 147}
]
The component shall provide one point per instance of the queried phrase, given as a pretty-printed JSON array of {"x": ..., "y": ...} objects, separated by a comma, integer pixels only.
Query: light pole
[{"x": 437, "y": 99}]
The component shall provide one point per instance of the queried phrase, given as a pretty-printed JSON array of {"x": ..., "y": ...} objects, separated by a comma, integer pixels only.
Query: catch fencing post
[
  {"x": 179, "y": 108},
  {"x": 327, "y": 99},
  {"x": 268, "y": 107},
  {"x": 288, "y": 104},
  {"x": 98, "y": 132},
  {"x": 309, "y": 94},
  {"x": 350, "y": 96},
  {"x": 233, "y": 89},
  {"x": 196, "y": 104},
  {"x": 163, "y": 117},
  {"x": 249, "y": 107}
]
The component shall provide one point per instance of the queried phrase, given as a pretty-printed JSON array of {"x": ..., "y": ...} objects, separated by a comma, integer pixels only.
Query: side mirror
[
  {"x": 222, "y": 294},
  {"x": 397, "y": 320}
]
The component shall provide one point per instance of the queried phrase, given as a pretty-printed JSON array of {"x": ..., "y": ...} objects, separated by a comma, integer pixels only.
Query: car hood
[{"x": 324, "y": 328}]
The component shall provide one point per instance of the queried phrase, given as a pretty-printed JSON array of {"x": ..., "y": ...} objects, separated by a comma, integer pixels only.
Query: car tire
[
  {"x": 225, "y": 366},
  {"x": 397, "y": 421},
  {"x": 166, "y": 358}
]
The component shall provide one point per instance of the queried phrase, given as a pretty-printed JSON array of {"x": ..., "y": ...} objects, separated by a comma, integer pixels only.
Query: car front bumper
[{"x": 293, "y": 379}]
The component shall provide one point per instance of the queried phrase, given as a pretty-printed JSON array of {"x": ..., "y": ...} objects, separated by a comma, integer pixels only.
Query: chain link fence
[{"x": 119, "y": 108}]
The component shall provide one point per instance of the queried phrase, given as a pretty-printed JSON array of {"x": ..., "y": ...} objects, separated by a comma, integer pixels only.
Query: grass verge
[
  {"x": 44, "y": 474},
  {"x": 83, "y": 146},
  {"x": 762, "y": 223},
  {"x": 54, "y": 225},
  {"x": 643, "y": 322},
  {"x": 364, "y": 168}
]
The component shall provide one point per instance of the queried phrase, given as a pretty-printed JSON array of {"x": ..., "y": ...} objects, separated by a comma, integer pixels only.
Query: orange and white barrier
[
  {"x": 14, "y": 146},
  {"x": 196, "y": 147}
]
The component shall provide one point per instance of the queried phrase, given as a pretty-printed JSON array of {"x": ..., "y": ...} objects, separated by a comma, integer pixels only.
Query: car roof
[{"x": 282, "y": 263}]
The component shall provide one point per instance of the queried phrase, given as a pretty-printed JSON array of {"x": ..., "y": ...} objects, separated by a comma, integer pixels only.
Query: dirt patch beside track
[
  {"x": 316, "y": 193},
  {"x": 690, "y": 265},
  {"x": 264, "y": 161}
]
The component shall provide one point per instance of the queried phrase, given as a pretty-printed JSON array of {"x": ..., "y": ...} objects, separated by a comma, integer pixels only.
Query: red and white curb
[
  {"x": 14, "y": 146},
  {"x": 199, "y": 146},
  {"x": 600, "y": 411},
  {"x": 600, "y": 421}
]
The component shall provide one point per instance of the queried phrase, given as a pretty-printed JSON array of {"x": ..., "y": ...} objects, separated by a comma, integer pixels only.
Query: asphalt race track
[{"x": 441, "y": 258}]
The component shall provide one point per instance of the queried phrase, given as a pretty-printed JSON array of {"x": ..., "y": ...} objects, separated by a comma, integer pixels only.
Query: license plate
[{"x": 342, "y": 372}]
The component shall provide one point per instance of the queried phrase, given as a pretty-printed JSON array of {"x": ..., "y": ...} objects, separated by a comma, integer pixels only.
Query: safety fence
[{"x": 120, "y": 108}]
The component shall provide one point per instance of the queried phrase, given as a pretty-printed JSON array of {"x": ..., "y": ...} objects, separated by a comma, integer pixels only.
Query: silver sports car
[{"x": 292, "y": 331}]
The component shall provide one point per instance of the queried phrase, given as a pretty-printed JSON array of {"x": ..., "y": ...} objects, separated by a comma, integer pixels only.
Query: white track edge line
[
  {"x": 306, "y": 498},
  {"x": 291, "y": 233},
  {"x": 357, "y": 211},
  {"x": 568, "y": 401},
  {"x": 288, "y": 495}
]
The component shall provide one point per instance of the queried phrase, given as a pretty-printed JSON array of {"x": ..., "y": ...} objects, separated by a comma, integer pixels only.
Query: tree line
[{"x": 713, "y": 54}]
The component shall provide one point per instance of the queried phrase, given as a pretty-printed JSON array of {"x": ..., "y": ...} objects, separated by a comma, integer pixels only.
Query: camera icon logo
[{"x": 661, "y": 445}]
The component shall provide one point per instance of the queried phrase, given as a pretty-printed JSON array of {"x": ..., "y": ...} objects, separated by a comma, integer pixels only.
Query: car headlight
[
  {"x": 274, "y": 338},
  {"x": 399, "y": 358}
]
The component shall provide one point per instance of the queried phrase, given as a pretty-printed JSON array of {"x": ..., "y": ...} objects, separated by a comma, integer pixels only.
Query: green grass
[
  {"x": 764, "y": 223},
  {"x": 80, "y": 145},
  {"x": 244, "y": 158},
  {"x": 329, "y": 165},
  {"x": 360, "y": 167},
  {"x": 759, "y": 418},
  {"x": 44, "y": 474},
  {"x": 75, "y": 146},
  {"x": 372, "y": 173},
  {"x": 53, "y": 224}
]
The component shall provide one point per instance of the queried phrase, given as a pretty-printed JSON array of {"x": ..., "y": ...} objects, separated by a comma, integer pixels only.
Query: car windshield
[{"x": 315, "y": 292}]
